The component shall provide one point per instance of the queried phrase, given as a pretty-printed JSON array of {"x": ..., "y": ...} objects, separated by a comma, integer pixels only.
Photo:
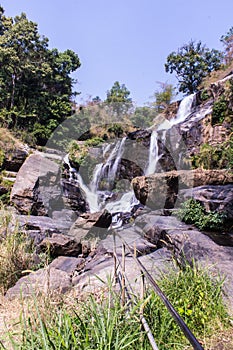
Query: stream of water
[{"x": 108, "y": 169}]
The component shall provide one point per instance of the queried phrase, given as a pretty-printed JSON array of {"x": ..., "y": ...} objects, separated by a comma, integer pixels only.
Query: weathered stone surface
[
  {"x": 91, "y": 226},
  {"x": 134, "y": 237},
  {"x": 187, "y": 242},
  {"x": 214, "y": 198},
  {"x": 39, "y": 227},
  {"x": 67, "y": 264},
  {"x": 57, "y": 277},
  {"x": 29, "y": 194},
  {"x": 15, "y": 158},
  {"x": 161, "y": 190},
  {"x": 97, "y": 275},
  {"x": 59, "y": 244},
  {"x": 42, "y": 281}
]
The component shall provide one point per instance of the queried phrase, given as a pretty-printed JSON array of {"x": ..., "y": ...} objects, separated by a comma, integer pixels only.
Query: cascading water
[
  {"x": 184, "y": 110},
  {"x": 91, "y": 197},
  {"x": 153, "y": 153},
  {"x": 106, "y": 171}
]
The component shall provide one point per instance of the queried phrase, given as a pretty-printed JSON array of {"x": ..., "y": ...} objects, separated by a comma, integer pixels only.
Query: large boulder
[
  {"x": 161, "y": 190},
  {"x": 57, "y": 277},
  {"x": 37, "y": 183}
]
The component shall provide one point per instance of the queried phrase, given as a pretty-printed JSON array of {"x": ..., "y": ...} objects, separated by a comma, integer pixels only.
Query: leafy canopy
[
  {"x": 35, "y": 82},
  {"x": 191, "y": 63},
  {"x": 118, "y": 97}
]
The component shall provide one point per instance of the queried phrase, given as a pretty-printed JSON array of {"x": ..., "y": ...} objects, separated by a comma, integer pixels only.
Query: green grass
[{"x": 104, "y": 324}]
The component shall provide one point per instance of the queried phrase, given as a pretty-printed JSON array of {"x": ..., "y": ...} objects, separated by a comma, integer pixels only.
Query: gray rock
[
  {"x": 42, "y": 281},
  {"x": 214, "y": 198},
  {"x": 162, "y": 189},
  {"x": 59, "y": 244},
  {"x": 39, "y": 227},
  {"x": 91, "y": 226},
  {"x": 68, "y": 264},
  {"x": 37, "y": 184},
  {"x": 188, "y": 243}
]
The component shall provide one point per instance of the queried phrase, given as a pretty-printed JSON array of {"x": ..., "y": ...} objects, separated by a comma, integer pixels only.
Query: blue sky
[{"x": 125, "y": 40}]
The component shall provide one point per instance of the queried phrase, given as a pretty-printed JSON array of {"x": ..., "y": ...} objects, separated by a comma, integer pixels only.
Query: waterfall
[
  {"x": 74, "y": 176},
  {"x": 153, "y": 153},
  {"x": 184, "y": 110},
  {"x": 105, "y": 172},
  {"x": 109, "y": 169},
  {"x": 113, "y": 169}
]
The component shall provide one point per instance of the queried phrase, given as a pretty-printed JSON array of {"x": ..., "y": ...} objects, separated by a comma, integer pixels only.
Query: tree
[
  {"x": 227, "y": 41},
  {"x": 163, "y": 97},
  {"x": 118, "y": 97},
  {"x": 35, "y": 82},
  {"x": 192, "y": 62}
]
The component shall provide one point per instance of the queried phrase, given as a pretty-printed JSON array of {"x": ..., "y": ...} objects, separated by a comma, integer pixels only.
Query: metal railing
[{"x": 121, "y": 277}]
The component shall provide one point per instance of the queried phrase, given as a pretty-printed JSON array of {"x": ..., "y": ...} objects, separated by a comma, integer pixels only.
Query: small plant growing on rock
[{"x": 192, "y": 212}]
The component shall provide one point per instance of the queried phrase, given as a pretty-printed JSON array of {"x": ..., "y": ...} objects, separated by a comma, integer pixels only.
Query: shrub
[
  {"x": 192, "y": 212},
  {"x": 77, "y": 153},
  {"x": 95, "y": 141},
  {"x": 116, "y": 129},
  {"x": 220, "y": 108},
  {"x": 17, "y": 252},
  {"x": 215, "y": 157}
]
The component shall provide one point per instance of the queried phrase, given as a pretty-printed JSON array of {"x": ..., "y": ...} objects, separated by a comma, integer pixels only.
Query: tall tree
[
  {"x": 192, "y": 62},
  {"x": 118, "y": 97},
  {"x": 227, "y": 41},
  {"x": 35, "y": 82},
  {"x": 163, "y": 97}
]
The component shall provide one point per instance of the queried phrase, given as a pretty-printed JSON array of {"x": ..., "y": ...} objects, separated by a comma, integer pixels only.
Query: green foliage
[
  {"x": 116, "y": 129},
  {"x": 94, "y": 141},
  {"x": 143, "y": 117},
  {"x": 77, "y": 153},
  {"x": 204, "y": 95},
  {"x": 36, "y": 87},
  {"x": 215, "y": 157},
  {"x": 192, "y": 62},
  {"x": 101, "y": 322},
  {"x": 2, "y": 157},
  {"x": 89, "y": 325},
  {"x": 220, "y": 108},
  {"x": 196, "y": 297},
  {"x": 163, "y": 97},
  {"x": 118, "y": 98},
  {"x": 192, "y": 212}
]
